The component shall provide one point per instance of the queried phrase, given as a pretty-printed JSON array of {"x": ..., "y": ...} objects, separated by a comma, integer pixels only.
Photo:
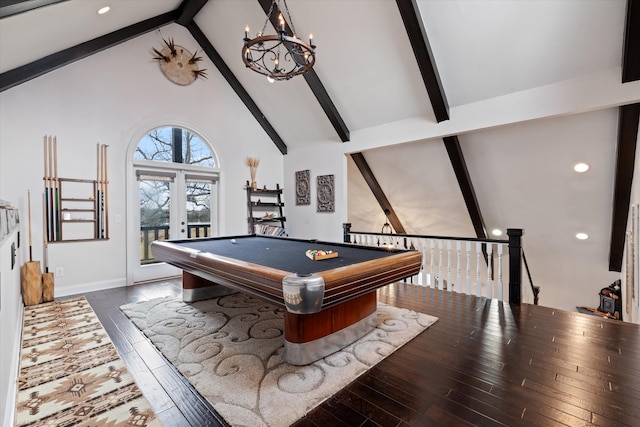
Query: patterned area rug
[
  {"x": 231, "y": 350},
  {"x": 71, "y": 374}
]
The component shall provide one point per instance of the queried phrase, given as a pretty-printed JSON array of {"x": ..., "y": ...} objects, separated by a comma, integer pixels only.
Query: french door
[{"x": 173, "y": 204}]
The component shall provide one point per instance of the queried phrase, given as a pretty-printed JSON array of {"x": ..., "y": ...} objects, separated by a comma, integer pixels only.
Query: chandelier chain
[
  {"x": 286, "y": 7},
  {"x": 264, "y": 27}
]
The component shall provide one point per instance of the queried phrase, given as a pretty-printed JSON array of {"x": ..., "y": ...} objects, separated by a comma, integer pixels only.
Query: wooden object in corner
[
  {"x": 47, "y": 287},
  {"x": 31, "y": 283}
]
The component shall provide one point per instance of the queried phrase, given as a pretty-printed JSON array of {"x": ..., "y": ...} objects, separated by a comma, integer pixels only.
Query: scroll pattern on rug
[
  {"x": 71, "y": 373},
  {"x": 231, "y": 350}
]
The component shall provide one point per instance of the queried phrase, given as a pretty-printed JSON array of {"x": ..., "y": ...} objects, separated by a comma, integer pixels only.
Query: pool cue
[
  {"x": 45, "y": 252},
  {"x": 31, "y": 280},
  {"x": 29, "y": 215},
  {"x": 46, "y": 189},
  {"x": 47, "y": 278},
  {"x": 96, "y": 195},
  {"x": 106, "y": 194},
  {"x": 98, "y": 192},
  {"x": 102, "y": 191},
  {"x": 56, "y": 182},
  {"x": 52, "y": 229}
]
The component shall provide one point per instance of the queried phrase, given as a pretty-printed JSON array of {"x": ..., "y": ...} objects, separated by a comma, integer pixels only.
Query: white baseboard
[{"x": 83, "y": 288}]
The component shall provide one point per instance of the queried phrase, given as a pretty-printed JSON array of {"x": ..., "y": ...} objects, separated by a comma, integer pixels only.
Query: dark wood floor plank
[{"x": 484, "y": 362}]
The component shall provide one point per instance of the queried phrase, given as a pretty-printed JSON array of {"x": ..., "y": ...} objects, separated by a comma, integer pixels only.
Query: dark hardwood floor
[{"x": 483, "y": 363}]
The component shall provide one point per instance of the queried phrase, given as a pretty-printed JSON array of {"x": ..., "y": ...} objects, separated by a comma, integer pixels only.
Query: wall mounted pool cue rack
[{"x": 75, "y": 210}]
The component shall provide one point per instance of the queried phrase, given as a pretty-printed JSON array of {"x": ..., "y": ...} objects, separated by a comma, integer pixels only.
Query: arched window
[{"x": 174, "y": 145}]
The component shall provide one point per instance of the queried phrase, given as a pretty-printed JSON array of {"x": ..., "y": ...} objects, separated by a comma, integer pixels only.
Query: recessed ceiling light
[
  {"x": 103, "y": 10},
  {"x": 582, "y": 236},
  {"x": 581, "y": 167},
  {"x": 496, "y": 232}
]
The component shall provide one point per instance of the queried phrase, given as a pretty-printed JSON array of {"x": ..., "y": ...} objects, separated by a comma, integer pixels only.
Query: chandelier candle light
[{"x": 266, "y": 55}]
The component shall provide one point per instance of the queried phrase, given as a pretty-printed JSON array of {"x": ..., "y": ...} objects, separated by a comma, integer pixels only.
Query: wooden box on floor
[{"x": 31, "y": 283}]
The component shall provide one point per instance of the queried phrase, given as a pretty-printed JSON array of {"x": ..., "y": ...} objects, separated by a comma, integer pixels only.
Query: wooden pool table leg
[
  {"x": 309, "y": 337},
  {"x": 196, "y": 288}
]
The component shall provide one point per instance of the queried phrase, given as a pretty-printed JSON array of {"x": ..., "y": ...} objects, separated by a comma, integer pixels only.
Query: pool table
[{"x": 328, "y": 303}]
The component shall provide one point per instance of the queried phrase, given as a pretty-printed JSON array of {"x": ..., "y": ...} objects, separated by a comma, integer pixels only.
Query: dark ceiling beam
[
  {"x": 628, "y": 120},
  {"x": 373, "y": 184},
  {"x": 189, "y": 9},
  {"x": 313, "y": 81},
  {"x": 217, "y": 60},
  {"x": 14, "y": 7},
  {"x": 424, "y": 56},
  {"x": 37, "y": 68},
  {"x": 452, "y": 144},
  {"x": 631, "y": 52}
]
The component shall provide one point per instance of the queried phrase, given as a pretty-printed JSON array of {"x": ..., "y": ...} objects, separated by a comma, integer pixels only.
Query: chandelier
[{"x": 278, "y": 56}]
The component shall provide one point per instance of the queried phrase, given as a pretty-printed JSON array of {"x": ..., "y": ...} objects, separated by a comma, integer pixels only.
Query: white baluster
[
  {"x": 432, "y": 264},
  {"x": 449, "y": 284},
  {"x": 489, "y": 270},
  {"x": 423, "y": 271},
  {"x": 500, "y": 248},
  {"x": 440, "y": 268},
  {"x": 468, "y": 268},
  {"x": 458, "y": 267},
  {"x": 478, "y": 264}
]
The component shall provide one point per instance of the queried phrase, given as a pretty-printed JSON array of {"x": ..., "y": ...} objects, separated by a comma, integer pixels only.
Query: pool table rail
[{"x": 340, "y": 284}]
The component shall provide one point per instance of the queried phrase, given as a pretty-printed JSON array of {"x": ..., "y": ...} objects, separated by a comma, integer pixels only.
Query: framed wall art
[
  {"x": 325, "y": 191},
  {"x": 303, "y": 188}
]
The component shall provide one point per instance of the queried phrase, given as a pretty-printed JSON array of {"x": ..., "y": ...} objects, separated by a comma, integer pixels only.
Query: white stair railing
[{"x": 464, "y": 265}]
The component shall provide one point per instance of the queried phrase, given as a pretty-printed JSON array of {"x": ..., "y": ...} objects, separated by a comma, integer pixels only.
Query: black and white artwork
[
  {"x": 303, "y": 188},
  {"x": 326, "y": 199}
]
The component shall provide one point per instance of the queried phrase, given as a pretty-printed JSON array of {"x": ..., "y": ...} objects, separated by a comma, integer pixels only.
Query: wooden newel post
[
  {"x": 515, "y": 264},
  {"x": 346, "y": 229}
]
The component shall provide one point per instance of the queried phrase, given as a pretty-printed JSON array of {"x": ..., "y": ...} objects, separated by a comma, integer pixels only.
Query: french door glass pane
[
  {"x": 198, "y": 206},
  {"x": 155, "y": 208}
]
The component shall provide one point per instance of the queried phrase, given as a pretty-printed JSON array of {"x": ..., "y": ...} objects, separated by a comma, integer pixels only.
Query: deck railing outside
[
  {"x": 465, "y": 265},
  {"x": 161, "y": 232}
]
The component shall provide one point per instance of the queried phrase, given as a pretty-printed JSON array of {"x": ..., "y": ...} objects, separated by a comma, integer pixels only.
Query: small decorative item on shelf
[{"x": 253, "y": 163}]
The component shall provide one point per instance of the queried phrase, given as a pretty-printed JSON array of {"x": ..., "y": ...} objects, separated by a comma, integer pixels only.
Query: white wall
[
  {"x": 321, "y": 158},
  {"x": 113, "y": 98}
]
